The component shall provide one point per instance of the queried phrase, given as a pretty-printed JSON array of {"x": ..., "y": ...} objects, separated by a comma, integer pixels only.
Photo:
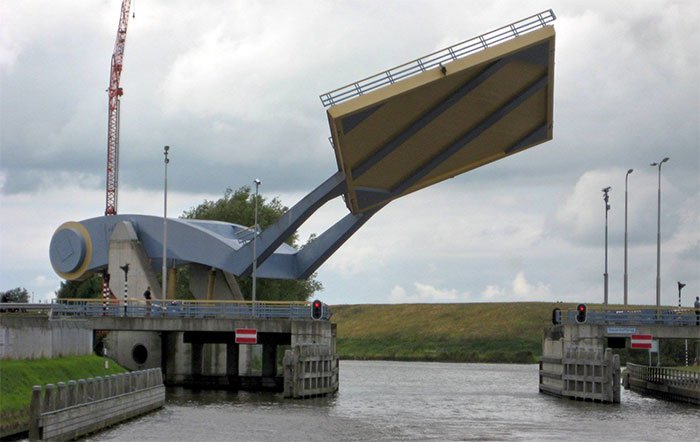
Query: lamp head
[
  {"x": 664, "y": 160},
  {"x": 257, "y": 182},
  {"x": 607, "y": 189},
  {"x": 630, "y": 171},
  {"x": 166, "y": 149}
]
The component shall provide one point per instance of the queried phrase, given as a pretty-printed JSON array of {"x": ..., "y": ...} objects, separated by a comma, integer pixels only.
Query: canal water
[{"x": 412, "y": 401}]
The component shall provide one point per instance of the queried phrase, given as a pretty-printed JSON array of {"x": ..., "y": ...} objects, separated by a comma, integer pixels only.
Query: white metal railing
[
  {"x": 436, "y": 58},
  {"x": 665, "y": 375}
]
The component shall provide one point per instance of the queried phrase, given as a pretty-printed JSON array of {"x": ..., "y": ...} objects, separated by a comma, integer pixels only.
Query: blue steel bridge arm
[
  {"x": 301, "y": 264},
  {"x": 80, "y": 248},
  {"x": 315, "y": 253},
  {"x": 275, "y": 235}
]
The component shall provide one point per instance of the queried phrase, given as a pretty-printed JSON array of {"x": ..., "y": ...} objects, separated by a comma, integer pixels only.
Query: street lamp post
[
  {"x": 658, "y": 237},
  {"x": 255, "y": 240},
  {"x": 626, "y": 176},
  {"x": 165, "y": 224},
  {"x": 605, "y": 275}
]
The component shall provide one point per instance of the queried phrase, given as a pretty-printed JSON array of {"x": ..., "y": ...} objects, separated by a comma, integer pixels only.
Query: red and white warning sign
[
  {"x": 642, "y": 341},
  {"x": 246, "y": 336}
]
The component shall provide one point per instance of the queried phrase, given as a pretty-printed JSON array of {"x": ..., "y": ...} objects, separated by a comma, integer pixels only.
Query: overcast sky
[{"x": 233, "y": 86}]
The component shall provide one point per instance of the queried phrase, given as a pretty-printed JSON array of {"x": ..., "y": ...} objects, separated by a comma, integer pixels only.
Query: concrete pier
[
  {"x": 591, "y": 375},
  {"x": 310, "y": 370},
  {"x": 576, "y": 364},
  {"x": 203, "y": 353}
]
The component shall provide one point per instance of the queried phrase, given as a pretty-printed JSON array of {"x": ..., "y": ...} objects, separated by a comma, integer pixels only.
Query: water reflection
[{"x": 414, "y": 401}]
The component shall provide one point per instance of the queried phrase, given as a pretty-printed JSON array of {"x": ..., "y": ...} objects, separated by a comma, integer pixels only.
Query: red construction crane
[{"x": 114, "y": 93}]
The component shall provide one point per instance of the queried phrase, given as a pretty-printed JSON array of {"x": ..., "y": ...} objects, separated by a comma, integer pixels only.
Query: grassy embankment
[
  {"x": 17, "y": 377},
  {"x": 485, "y": 332}
]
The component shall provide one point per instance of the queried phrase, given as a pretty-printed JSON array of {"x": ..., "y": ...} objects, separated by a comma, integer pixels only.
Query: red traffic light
[
  {"x": 581, "y": 311},
  {"x": 316, "y": 309}
]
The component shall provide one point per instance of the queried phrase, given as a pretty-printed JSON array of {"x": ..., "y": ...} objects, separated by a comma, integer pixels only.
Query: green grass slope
[
  {"x": 18, "y": 376},
  {"x": 481, "y": 332}
]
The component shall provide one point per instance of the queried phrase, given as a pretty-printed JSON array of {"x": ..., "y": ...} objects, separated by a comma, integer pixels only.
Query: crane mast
[{"x": 115, "y": 92}]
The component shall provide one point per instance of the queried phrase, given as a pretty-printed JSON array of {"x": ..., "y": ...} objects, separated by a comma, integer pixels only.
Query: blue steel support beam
[
  {"x": 275, "y": 235},
  {"x": 471, "y": 135},
  {"x": 321, "y": 248},
  {"x": 428, "y": 117}
]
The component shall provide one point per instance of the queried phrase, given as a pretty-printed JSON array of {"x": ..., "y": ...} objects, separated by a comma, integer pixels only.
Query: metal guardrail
[
  {"x": 673, "y": 316},
  {"x": 435, "y": 59},
  {"x": 24, "y": 307},
  {"x": 665, "y": 375},
  {"x": 140, "y": 308}
]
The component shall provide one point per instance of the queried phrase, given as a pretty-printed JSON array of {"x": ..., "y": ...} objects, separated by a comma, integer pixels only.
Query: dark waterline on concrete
[{"x": 415, "y": 401}]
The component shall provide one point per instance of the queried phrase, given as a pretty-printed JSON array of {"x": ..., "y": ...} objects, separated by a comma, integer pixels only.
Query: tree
[
  {"x": 87, "y": 288},
  {"x": 91, "y": 288},
  {"x": 239, "y": 207},
  {"x": 18, "y": 294}
]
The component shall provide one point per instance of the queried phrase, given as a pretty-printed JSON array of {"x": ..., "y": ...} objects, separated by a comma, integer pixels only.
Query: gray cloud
[{"x": 233, "y": 89}]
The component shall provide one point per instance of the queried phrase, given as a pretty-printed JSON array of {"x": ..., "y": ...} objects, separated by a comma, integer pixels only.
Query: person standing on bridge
[
  {"x": 147, "y": 296},
  {"x": 697, "y": 310}
]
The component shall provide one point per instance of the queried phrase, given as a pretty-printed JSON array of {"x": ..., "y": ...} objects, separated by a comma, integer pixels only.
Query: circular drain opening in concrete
[{"x": 139, "y": 354}]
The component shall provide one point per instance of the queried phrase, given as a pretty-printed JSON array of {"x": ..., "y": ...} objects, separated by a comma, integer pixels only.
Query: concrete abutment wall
[
  {"x": 576, "y": 364},
  {"x": 27, "y": 337},
  {"x": 76, "y": 408},
  {"x": 210, "y": 357}
]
